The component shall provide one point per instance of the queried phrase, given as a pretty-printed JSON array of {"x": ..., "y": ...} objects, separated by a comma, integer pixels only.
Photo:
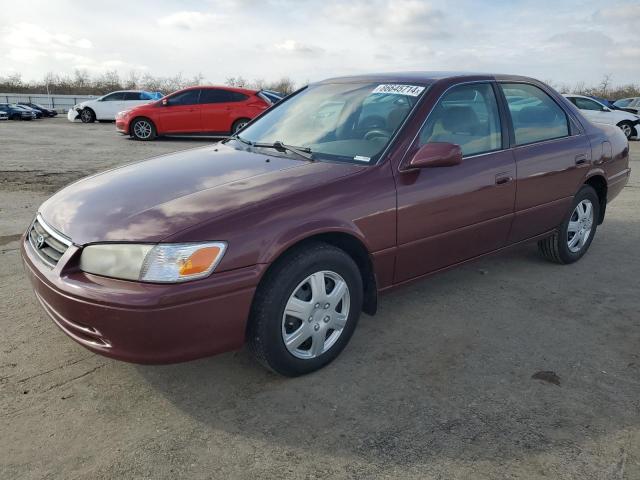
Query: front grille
[{"x": 46, "y": 242}]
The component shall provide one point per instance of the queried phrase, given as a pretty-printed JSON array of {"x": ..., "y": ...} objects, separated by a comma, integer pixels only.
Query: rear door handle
[
  {"x": 503, "y": 179},
  {"x": 581, "y": 159}
]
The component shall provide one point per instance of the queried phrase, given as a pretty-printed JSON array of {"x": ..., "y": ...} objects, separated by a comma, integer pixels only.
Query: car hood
[{"x": 151, "y": 200}]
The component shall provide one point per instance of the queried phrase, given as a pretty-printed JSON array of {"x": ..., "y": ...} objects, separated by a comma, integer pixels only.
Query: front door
[
  {"x": 450, "y": 214},
  {"x": 181, "y": 114}
]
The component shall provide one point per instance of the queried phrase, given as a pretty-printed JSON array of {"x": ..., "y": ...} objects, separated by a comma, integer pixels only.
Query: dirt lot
[{"x": 436, "y": 386}]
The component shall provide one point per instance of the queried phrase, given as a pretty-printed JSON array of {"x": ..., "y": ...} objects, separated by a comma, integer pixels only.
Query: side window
[
  {"x": 238, "y": 97},
  {"x": 535, "y": 116},
  {"x": 188, "y": 97},
  {"x": 211, "y": 95},
  {"x": 467, "y": 115},
  {"x": 114, "y": 97},
  {"x": 132, "y": 96},
  {"x": 584, "y": 104}
]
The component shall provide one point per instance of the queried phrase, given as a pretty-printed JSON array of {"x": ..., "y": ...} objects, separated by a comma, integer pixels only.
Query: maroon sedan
[{"x": 282, "y": 234}]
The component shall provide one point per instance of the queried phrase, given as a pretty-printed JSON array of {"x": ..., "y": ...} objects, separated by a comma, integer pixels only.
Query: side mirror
[
  {"x": 436, "y": 154},
  {"x": 165, "y": 102},
  {"x": 606, "y": 109}
]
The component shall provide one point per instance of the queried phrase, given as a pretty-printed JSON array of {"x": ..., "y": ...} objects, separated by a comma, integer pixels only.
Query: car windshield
[
  {"x": 623, "y": 102},
  {"x": 351, "y": 122}
]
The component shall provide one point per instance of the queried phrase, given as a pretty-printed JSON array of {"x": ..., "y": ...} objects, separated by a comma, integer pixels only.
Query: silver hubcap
[
  {"x": 240, "y": 125},
  {"x": 580, "y": 225},
  {"x": 626, "y": 129},
  {"x": 142, "y": 129},
  {"x": 315, "y": 315}
]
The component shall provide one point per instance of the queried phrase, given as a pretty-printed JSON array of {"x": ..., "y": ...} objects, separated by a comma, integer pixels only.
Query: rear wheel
[
  {"x": 627, "y": 128},
  {"x": 87, "y": 115},
  {"x": 573, "y": 238},
  {"x": 306, "y": 310},
  {"x": 239, "y": 124},
  {"x": 143, "y": 129}
]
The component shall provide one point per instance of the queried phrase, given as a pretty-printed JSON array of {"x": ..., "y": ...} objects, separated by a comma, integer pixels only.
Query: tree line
[{"x": 82, "y": 83}]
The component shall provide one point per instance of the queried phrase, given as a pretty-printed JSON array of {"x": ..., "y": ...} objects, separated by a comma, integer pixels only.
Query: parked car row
[
  {"x": 200, "y": 110},
  {"x": 24, "y": 111}
]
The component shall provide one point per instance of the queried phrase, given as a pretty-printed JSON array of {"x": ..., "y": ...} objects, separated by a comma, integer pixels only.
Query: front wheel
[
  {"x": 627, "y": 129},
  {"x": 573, "y": 238},
  {"x": 306, "y": 310},
  {"x": 143, "y": 129},
  {"x": 87, "y": 115}
]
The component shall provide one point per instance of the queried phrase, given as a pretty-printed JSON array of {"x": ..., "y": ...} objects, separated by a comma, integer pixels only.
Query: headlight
[{"x": 164, "y": 262}]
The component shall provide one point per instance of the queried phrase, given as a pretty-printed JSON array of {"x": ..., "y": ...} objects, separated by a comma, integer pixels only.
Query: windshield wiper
[
  {"x": 303, "y": 152},
  {"x": 238, "y": 138}
]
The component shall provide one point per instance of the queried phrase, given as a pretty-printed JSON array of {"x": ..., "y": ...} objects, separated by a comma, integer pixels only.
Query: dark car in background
[
  {"x": 283, "y": 234},
  {"x": 17, "y": 112},
  {"x": 46, "y": 112},
  {"x": 35, "y": 112}
]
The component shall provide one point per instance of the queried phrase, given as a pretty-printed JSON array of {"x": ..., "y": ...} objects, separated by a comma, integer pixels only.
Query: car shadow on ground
[{"x": 445, "y": 370}]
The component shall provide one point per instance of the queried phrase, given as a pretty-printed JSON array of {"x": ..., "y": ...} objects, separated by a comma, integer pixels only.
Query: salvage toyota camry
[{"x": 282, "y": 234}]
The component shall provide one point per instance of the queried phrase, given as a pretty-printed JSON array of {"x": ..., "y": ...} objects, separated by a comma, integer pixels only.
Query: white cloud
[
  {"x": 292, "y": 46},
  {"x": 188, "y": 20}
]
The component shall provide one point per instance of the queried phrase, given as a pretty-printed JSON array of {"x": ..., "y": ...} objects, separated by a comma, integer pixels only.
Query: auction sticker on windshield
[{"x": 411, "y": 90}]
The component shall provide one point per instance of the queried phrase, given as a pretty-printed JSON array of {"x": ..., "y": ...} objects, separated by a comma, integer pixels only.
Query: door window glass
[
  {"x": 188, "y": 97},
  {"x": 113, "y": 97},
  {"x": 535, "y": 116},
  {"x": 467, "y": 115},
  {"x": 212, "y": 95}
]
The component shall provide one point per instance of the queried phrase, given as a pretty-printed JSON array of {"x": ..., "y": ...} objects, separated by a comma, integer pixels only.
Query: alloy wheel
[
  {"x": 580, "y": 224},
  {"x": 142, "y": 129},
  {"x": 626, "y": 129},
  {"x": 315, "y": 314}
]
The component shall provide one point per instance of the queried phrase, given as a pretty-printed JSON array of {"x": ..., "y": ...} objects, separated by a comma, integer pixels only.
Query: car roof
[
  {"x": 425, "y": 77},
  {"x": 247, "y": 91}
]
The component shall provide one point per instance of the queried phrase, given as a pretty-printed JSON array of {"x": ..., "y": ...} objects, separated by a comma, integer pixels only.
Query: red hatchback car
[
  {"x": 283, "y": 234},
  {"x": 194, "y": 110}
]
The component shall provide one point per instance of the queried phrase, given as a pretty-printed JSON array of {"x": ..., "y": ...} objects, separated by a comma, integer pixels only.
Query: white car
[
  {"x": 629, "y": 104},
  {"x": 107, "y": 106},
  {"x": 599, "y": 113}
]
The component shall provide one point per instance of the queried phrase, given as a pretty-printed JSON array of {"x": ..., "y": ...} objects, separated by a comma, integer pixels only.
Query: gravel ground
[{"x": 438, "y": 385}]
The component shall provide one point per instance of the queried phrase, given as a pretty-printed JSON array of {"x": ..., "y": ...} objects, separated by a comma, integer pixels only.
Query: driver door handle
[{"x": 503, "y": 179}]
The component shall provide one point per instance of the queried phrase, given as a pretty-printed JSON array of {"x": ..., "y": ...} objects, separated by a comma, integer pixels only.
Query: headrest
[{"x": 459, "y": 119}]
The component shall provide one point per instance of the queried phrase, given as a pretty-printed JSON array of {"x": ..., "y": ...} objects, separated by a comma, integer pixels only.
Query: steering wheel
[{"x": 377, "y": 133}]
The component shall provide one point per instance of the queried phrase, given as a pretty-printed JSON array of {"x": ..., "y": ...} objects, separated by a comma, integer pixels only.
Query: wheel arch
[
  {"x": 598, "y": 181},
  {"x": 350, "y": 243}
]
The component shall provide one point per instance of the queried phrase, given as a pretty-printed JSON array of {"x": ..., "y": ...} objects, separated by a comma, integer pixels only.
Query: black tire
[
  {"x": 264, "y": 332},
  {"x": 136, "y": 130},
  {"x": 87, "y": 115},
  {"x": 555, "y": 248},
  {"x": 627, "y": 128},
  {"x": 239, "y": 124}
]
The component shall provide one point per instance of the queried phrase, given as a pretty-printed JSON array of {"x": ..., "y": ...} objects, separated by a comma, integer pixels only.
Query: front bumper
[
  {"x": 142, "y": 322},
  {"x": 73, "y": 115},
  {"x": 122, "y": 126}
]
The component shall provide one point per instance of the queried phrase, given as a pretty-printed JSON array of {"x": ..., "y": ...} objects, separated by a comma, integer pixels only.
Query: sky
[{"x": 562, "y": 41}]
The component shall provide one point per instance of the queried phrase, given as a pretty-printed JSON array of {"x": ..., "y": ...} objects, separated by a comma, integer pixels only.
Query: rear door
[
  {"x": 181, "y": 114},
  {"x": 216, "y": 108},
  {"x": 133, "y": 99},
  {"x": 450, "y": 214},
  {"x": 551, "y": 155},
  {"x": 108, "y": 106}
]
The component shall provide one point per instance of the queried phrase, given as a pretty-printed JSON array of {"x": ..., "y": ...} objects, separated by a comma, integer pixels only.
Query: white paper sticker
[
  {"x": 360, "y": 158},
  {"x": 411, "y": 90}
]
